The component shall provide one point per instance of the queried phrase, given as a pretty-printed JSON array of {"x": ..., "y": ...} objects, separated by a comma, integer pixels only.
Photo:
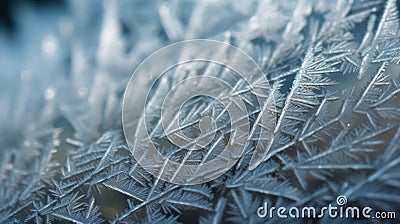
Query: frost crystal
[{"x": 334, "y": 72}]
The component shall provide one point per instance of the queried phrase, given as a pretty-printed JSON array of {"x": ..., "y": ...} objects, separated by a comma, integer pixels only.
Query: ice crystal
[{"x": 334, "y": 67}]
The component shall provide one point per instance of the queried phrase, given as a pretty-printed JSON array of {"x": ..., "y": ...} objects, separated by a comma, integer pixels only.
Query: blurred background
[{"x": 57, "y": 53}]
